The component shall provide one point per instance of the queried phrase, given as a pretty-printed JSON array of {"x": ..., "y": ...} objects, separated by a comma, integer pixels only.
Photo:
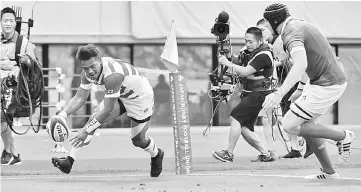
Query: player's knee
[
  {"x": 289, "y": 126},
  {"x": 137, "y": 142}
]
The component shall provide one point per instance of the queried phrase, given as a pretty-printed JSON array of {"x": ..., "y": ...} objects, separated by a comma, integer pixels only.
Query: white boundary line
[{"x": 146, "y": 175}]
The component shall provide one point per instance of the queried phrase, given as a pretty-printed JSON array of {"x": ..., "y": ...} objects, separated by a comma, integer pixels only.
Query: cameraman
[
  {"x": 10, "y": 68},
  {"x": 255, "y": 66}
]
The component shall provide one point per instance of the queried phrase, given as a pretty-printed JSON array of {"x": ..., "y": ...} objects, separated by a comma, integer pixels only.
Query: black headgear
[{"x": 275, "y": 14}]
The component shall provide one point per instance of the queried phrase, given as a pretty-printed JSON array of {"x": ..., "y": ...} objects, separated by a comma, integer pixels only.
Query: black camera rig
[{"x": 223, "y": 84}]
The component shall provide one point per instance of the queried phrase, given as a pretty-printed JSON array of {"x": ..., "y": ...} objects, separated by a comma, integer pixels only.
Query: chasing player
[
  {"x": 313, "y": 59},
  {"x": 127, "y": 91}
]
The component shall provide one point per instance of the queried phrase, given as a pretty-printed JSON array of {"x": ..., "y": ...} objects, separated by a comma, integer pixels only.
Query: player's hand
[
  {"x": 224, "y": 61},
  {"x": 79, "y": 139},
  {"x": 295, "y": 96},
  {"x": 272, "y": 100}
]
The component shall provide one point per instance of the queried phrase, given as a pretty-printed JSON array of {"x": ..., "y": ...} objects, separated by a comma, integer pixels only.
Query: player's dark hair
[
  {"x": 262, "y": 21},
  {"x": 255, "y": 31},
  {"x": 87, "y": 52},
  {"x": 7, "y": 10}
]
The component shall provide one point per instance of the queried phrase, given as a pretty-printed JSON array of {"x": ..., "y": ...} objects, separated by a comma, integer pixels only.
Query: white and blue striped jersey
[{"x": 133, "y": 86}]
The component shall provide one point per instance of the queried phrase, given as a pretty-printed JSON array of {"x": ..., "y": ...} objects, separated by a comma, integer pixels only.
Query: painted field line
[
  {"x": 267, "y": 175},
  {"x": 146, "y": 175}
]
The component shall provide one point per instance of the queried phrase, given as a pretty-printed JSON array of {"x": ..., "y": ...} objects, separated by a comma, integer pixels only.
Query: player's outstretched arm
[
  {"x": 112, "y": 85},
  {"x": 77, "y": 101}
]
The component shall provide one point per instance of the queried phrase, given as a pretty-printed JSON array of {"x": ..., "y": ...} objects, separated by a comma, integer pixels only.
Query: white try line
[{"x": 42, "y": 177}]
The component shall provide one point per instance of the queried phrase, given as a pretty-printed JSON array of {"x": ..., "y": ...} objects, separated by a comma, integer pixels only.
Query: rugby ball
[{"x": 58, "y": 129}]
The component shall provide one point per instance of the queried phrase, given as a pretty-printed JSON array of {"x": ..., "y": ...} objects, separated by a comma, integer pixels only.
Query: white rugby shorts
[
  {"x": 317, "y": 99},
  {"x": 141, "y": 107}
]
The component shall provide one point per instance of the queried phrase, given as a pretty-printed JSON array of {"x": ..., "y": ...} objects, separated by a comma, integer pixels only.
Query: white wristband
[
  {"x": 301, "y": 85},
  {"x": 92, "y": 125},
  {"x": 63, "y": 114}
]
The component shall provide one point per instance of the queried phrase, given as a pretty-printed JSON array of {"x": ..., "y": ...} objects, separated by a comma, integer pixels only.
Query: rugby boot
[
  {"x": 308, "y": 151},
  {"x": 268, "y": 157},
  {"x": 6, "y": 158},
  {"x": 156, "y": 165},
  {"x": 323, "y": 175},
  {"x": 292, "y": 154},
  {"x": 64, "y": 164},
  {"x": 344, "y": 146},
  {"x": 16, "y": 160},
  {"x": 224, "y": 155}
]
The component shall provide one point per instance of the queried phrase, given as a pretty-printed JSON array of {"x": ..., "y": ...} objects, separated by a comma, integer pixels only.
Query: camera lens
[{"x": 221, "y": 30}]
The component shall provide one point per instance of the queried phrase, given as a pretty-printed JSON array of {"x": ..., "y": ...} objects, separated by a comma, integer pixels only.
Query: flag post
[{"x": 179, "y": 105}]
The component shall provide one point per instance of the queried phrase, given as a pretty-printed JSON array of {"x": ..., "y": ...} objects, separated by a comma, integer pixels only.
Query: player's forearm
[
  {"x": 99, "y": 119},
  {"x": 74, "y": 105},
  {"x": 102, "y": 115},
  {"x": 292, "y": 78},
  {"x": 299, "y": 58}
]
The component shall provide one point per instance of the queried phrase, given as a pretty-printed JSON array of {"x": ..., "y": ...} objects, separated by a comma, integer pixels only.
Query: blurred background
[{"x": 136, "y": 32}]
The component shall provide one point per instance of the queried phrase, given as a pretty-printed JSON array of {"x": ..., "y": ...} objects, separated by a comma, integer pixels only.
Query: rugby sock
[
  {"x": 152, "y": 148},
  {"x": 294, "y": 143},
  {"x": 316, "y": 130},
  {"x": 318, "y": 146},
  {"x": 73, "y": 152}
]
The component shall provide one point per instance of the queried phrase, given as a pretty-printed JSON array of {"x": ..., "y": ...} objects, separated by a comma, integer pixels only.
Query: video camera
[
  {"x": 221, "y": 26},
  {"x": 222, "y": 84},
  {"x": 221, "y": 30}
]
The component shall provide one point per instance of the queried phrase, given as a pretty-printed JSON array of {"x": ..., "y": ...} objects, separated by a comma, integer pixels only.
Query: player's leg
[
  {"x": 140, "y": 111},
  {"x": 139, "y": 137},
  {"x": 314, "y": 102},
  {"x": 308, "y": 152},
  {"x": 293, "y": 119},
  {"x": 65, "y": 163}
]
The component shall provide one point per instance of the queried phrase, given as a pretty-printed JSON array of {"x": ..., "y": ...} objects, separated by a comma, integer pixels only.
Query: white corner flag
[{"x": 170, "y": 51}]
